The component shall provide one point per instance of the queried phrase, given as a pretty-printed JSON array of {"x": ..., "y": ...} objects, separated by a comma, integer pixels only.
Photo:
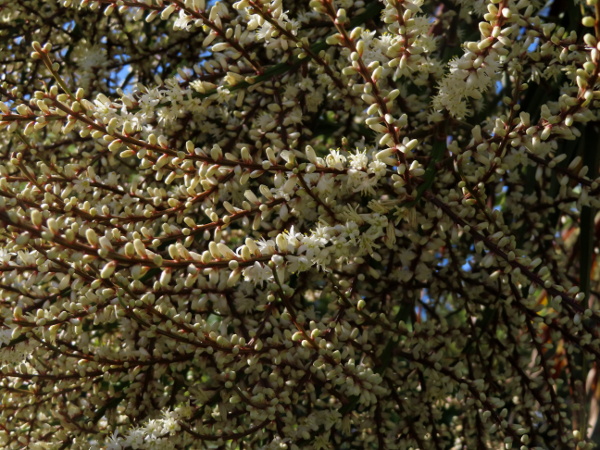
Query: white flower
[
  {"x": 5, "y": 256},
  {"x": 297, "y": 263},
  {"x": 17, "y": 353},
  {"x": 378, "y": 168},
  {"x": 244, "y": 303},
  {"x": 92, "y": 58},
  {"x": 359, "y": 160},
  {"x": 183, "y": 21},
  {"x": 5, "y": 336},
  {"x": 114, "y": 442},
  {"x": 257, "y": 274}
]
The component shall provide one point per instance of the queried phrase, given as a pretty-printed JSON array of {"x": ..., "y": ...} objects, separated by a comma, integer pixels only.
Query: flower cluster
[{"x": 281, "y": 224}]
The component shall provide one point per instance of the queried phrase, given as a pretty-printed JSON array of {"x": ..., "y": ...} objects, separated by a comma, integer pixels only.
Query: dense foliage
[{"x": 289, "y": 224}]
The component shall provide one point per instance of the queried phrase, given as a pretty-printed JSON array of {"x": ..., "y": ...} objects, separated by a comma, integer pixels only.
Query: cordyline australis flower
[{"x": 284, "y": 224}]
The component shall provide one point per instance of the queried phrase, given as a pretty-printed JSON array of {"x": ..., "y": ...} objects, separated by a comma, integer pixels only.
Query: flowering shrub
[{"x": 290, "y": 224}]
